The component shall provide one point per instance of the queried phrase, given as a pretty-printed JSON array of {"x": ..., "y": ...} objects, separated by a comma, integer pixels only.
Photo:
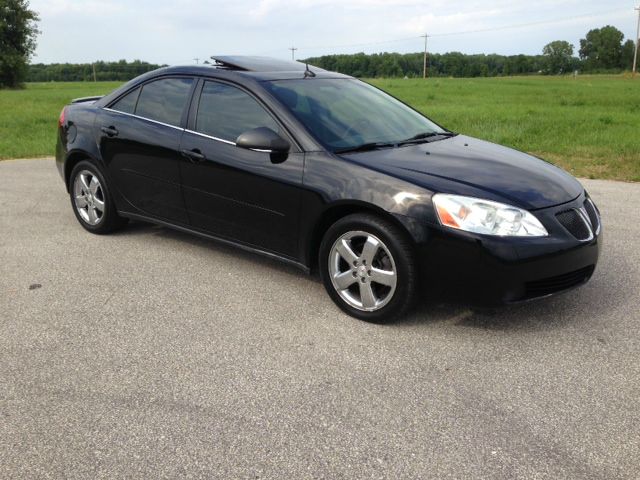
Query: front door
[{"x": 231, "y": 192}]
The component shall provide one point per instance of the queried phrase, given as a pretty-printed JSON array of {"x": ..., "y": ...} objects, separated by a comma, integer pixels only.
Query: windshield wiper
[
  {"x": 375, "y": 145},
  {"x": 365, "y": 147},
  {"x": 425, "y": 135}
]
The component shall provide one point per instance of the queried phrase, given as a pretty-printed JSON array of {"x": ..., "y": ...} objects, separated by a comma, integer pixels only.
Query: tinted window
[
  {"x": 127, "y": 104},
  {"x": 226, "y": 112},
  {"x": 344, "y": 113},
  {"x": 164, "y": 100}
]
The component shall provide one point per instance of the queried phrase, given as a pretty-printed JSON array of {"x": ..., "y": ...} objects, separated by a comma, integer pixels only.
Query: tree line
[
  {"x": 79, "y": 72},
  {"x": 603, "y": 50},
  {"x": 452, "y": 64}
]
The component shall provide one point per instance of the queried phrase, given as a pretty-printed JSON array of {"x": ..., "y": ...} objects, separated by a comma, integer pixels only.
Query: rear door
[
  {"x": 240, "y": 194},
  {"x": 139, "y": 141}
]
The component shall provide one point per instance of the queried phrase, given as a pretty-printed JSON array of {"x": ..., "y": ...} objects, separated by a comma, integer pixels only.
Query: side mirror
[{"x": 263, "y": 139}]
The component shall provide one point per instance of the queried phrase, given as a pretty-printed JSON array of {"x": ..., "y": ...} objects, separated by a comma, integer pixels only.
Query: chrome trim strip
[
  {"x": 585, "y": 218},
  {"x": 228, "y": 142},
  {"x": 585, "y": 215},
  {"x": 597, "y": 215},
  {"x": 143, "y": 118}
]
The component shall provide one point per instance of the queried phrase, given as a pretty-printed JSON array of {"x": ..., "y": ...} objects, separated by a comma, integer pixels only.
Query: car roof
[
  {"x": 237, "y": 67},
  {"x": 258, "y": 68}
]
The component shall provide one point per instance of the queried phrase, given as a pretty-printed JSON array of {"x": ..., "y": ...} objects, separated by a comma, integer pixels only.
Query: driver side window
[{"x": 225, "y": 112}]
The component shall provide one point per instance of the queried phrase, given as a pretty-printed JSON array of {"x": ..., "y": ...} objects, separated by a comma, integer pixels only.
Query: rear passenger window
[
  {"x": 127, "y": 104},
  {"x": 226, "y": 112},
  {"x": 164, "y": 100}
]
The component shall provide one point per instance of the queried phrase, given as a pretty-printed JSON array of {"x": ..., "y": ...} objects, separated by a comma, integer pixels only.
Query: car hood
[{"x": 468, "y": 166}]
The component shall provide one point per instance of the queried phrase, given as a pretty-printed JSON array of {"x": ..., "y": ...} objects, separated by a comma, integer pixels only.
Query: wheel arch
[
  {"x": 73, "y": 158},
  {"x": 333, "y": 213}
]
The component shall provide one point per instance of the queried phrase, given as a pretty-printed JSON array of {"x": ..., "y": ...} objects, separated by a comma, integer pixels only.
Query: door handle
[
  {"x": 110, "y": 131},
  {"x": 194, "y": 155}
]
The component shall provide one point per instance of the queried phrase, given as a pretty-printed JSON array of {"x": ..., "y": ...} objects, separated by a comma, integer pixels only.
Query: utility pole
[
  {"x": 197, "y": 60},
  {"x": 93, "y": 66},
  {"x": 424, "y": 66},
  {"x": 293, "y": 49},
  {"x": 635, "y": 54}
]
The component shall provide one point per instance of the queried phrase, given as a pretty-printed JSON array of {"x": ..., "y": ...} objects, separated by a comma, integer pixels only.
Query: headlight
[{"x": 484, "y": 216}]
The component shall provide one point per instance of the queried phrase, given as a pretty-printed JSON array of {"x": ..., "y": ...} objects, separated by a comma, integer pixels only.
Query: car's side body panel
[{"x": 240, "y": 194}]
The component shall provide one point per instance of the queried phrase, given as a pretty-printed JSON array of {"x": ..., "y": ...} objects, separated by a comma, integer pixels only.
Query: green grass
[
  {"x": 589, "y": 125},
  {"x": 29, "y": 117}
]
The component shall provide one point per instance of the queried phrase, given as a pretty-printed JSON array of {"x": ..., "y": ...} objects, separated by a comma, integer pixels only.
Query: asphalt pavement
[{"x": 154, "y": 354}]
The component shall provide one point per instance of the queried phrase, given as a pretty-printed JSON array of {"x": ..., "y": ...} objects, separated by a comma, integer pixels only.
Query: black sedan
[{"x": 324, "y": 171}]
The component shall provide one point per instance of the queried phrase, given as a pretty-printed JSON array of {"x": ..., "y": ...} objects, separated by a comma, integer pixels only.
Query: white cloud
[
  {"x": 90, "y": 8},
  {"x": 175, "y": 31}
]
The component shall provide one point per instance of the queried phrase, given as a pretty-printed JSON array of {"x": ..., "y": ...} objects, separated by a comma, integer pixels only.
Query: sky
[{"x": 180, "y": 31}]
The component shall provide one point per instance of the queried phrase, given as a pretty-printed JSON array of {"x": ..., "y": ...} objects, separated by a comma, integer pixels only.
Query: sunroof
[{"x": 260, "y": 64}]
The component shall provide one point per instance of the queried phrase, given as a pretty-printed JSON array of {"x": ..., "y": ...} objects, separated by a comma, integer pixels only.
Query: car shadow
[
  {"x": 571, "y": 307},
  {"x": 556, "y": 311},
  {"x": 137, "y": 228}
]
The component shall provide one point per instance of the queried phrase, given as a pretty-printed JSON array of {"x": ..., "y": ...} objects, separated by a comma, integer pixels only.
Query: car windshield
[{"x": 347, "y": 113}]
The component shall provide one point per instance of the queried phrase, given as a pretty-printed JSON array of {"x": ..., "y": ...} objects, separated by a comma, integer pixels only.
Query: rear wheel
[
  {"x": 91, "y": 199},
  {"x": 367, "y": 266}
]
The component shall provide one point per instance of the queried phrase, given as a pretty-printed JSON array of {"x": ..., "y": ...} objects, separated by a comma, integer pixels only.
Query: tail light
[{"x": 62, "y": 117}]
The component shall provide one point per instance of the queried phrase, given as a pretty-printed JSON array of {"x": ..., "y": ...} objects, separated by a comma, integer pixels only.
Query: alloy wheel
[
  {"x": 89, "y": 197},
  {"x": 362, "y": 270}
]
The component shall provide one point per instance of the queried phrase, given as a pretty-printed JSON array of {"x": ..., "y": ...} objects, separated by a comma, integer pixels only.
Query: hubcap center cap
[{"x": 362, "y": 271}]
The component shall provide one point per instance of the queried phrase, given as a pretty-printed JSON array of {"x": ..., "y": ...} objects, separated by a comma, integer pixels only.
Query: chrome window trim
[
  {"x": 143, "y": 118},
  {"x": 229, "y": 142}
]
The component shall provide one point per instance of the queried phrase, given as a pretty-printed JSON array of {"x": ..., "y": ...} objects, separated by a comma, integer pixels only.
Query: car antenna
[{"x": 307, "y": 72}]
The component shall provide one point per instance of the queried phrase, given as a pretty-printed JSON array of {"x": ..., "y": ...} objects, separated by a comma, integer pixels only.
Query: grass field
[
  {"x": 28, "y": 118},
  {"x": 589, "y": 125}
]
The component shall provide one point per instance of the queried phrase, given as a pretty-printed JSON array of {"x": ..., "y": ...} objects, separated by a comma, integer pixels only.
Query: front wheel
[{"x": 367, "y": 267}]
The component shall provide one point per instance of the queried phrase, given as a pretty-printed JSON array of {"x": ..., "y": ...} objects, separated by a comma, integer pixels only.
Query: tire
[
  {"x": 368, "y": 290},
  {"x": 91, "y": 199}
]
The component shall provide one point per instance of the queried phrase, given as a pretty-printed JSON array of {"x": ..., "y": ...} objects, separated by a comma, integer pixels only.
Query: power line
[
  {"x": 528, "y": 24},
  {"x": 380, "y": 42}
]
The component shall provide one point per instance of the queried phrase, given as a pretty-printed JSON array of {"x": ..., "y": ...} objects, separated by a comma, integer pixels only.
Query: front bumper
[{"x": 488, "y": 271}]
